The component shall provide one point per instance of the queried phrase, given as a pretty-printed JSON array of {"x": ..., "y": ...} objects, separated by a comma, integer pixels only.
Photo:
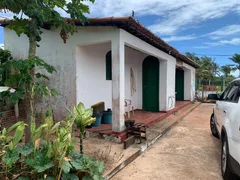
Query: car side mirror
[{"x": 214, "y": 97}]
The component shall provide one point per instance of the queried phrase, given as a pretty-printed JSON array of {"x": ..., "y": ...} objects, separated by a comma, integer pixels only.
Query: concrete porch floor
[{"x": 149, "y": 118}]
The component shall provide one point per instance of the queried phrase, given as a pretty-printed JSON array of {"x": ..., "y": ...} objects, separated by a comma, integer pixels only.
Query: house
[{"x": 112, "y": 59}]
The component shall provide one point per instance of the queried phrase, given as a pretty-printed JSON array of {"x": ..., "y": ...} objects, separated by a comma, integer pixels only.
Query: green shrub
[{"x": 51, "y": 154}]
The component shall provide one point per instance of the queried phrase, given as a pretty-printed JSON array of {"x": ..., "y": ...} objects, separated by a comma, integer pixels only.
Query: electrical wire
[{"x": 213, "y": 55}]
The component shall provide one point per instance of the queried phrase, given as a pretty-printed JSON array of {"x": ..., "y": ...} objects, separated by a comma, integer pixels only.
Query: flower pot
[
  {"x": 98, "y": 119},
  {"x": 107, "y": 117}
]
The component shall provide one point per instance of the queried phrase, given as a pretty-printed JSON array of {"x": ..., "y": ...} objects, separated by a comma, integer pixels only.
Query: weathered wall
[
  {"x": 80, "y": 68},
  {"x": 62, "y": 56}
]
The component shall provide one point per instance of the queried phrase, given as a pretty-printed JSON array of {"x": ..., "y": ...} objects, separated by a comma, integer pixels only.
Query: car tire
[
  {"x": 213, "y": 126},
  {"x": 225, "y": 163}
]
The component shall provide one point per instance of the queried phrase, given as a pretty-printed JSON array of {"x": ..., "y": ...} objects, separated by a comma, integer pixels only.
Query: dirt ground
[{"x": 187, "y": 151}]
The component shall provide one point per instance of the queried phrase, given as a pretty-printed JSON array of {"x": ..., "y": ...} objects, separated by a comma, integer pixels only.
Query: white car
[{"x": 225, "y": 124}]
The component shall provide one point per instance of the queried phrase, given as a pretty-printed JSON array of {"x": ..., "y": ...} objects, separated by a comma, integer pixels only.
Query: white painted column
[
  {"x": 193, "y": 75},
  {"x": 163, "y": 86},
  {"x": 187, "y": 84},
  {"x": 118, "y": 85},
  {"x": 167, "y": 84},
  {"x": 171, "y": 74}
]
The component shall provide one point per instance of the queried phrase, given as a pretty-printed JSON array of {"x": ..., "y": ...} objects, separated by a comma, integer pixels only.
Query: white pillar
[
  {"x": 171, "y": 74},
  {"x": 163, "y": 86},
  {"x": 118, "y": 85},
  {"x": 187, "y": 85},
  {"x": 167, "y": 84}
]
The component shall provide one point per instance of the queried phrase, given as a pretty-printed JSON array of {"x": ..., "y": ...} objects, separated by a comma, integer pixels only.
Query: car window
[
  {"x": 232, "y": 94},
  {"x": 224, "y": 94}
]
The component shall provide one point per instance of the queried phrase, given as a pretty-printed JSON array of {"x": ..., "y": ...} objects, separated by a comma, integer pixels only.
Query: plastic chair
[{"x": 129, "y": 107}]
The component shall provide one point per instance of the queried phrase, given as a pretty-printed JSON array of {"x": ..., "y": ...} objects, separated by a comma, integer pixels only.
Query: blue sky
[{"x": 207, "y": 27}]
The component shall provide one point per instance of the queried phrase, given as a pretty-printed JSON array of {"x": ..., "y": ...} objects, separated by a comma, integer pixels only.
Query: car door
[
  {"x": 218, "y": 111},
  {"x": 231, "y": 114}
]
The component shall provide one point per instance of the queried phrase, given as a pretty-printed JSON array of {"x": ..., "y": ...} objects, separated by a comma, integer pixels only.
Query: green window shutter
[{"x": 109, "y": 66}]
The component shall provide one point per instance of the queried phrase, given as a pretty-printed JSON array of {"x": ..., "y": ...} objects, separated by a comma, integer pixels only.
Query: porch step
[{"x": 105, "y": 130}]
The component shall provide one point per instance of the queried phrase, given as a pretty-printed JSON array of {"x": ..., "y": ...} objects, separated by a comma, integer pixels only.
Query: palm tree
[
  {"x": 236, "y": 58},
  {"x": 227, "y": 69}
]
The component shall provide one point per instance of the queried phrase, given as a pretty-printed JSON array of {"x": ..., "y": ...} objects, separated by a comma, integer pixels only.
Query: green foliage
[
  {"x": 25, "y": 149},
  {"x": 51, "y": 151},
  {"x": 84, "y": 164},
  {"x": 208, "y": 68},
  {"x": 8, "y": 152},
  {"x": 7, "y": 140},
  {"x": 227, "y": 69},
  {"x": 21, "y": 79},
  {"x": 5, "y": 56},
  {"x": 10, "y": 157},
  {"x": 236, "y": 59},
  {"x": 40, "y": 162},
  {"x": 82, "y": 118},
  {"x": 69, "y": 176},
  {"x": 41, "y": 12}
]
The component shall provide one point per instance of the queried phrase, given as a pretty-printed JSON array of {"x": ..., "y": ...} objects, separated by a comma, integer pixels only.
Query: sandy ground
[
  {"x": 111, "y": 153},
  {"x": 187, "y": 151}
]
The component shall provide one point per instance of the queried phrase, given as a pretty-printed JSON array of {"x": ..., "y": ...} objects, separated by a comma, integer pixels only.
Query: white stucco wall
[
  {"x": 80, "y": 65},
  {"x": 62, "y": 56},
  {"x": 167, "y": 68},
  {"x": 92, "y": 86},
  {"x": 134, "y": 59},
  {"x": 189, "y": 82}
]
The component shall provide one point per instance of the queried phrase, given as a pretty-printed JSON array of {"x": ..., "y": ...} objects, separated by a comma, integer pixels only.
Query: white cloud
[
  {"x": 225, "y": 31},
  {"x": 234, "y": 42},
  {"x": 201, "y": 47},
  {"x": 172, "y": 16},
  {"x": 179, "y": 38}
]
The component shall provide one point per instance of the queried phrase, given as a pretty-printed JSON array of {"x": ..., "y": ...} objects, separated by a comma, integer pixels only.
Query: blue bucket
[
  {"x": 107, "y": 117},
  {"x": 98, "y": 119}
]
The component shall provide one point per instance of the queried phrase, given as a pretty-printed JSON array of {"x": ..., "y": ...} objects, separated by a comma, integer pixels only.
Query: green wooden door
[
  {"x": 179, "y": 85},
  {"x": 150, "y": 81}
]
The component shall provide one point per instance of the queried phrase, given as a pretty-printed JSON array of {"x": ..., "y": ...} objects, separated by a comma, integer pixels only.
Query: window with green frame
[{"x": 109, "y": 66}]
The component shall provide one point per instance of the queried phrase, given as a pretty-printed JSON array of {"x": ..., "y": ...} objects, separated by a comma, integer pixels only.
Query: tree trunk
[
  {"x": 30, "y": 111},
  {"x": 202, "y": 92},
  {"x": 81, "y": 143}
]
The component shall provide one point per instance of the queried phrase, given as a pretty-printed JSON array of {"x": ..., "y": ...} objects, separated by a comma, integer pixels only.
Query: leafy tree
[
  {"x": 39, "y": 12},
  {"x": 207, "y": 70},
  {"x": 236, "y": 58},
  {"x": 5, "y": 56},
  {"x": 227, "y": 69},
  {"x": 193, "y": 57}
]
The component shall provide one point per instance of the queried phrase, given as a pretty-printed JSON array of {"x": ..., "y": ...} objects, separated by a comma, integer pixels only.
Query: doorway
[
  {"x": 150, "y": 83},
  {"x": 179, "y": 85}
]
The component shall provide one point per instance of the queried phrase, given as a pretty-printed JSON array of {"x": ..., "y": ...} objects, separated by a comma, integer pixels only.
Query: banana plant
[
  {"x": 82, "y": 118},
  {"x": 11, "y": 141},
  {"x": 8, "y": 143}
]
